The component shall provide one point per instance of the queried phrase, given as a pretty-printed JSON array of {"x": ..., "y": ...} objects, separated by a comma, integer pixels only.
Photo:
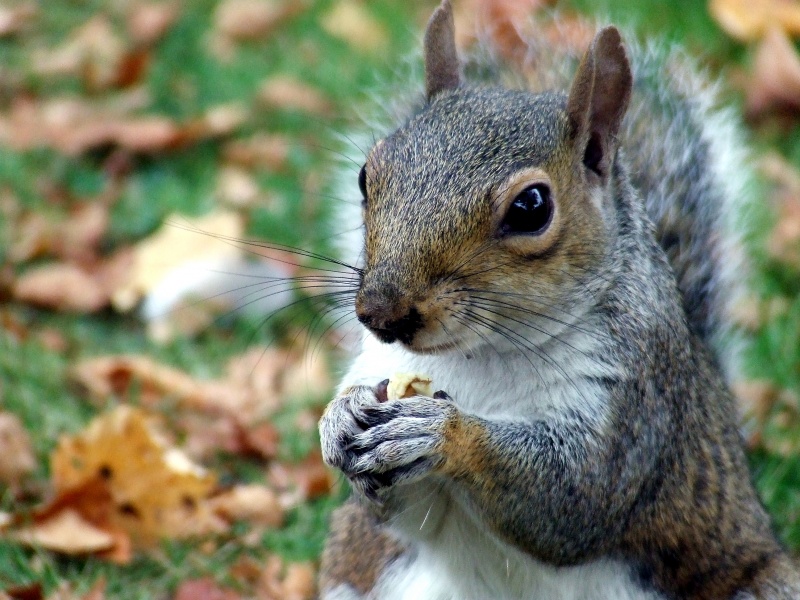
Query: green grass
[{"x": 185, "y": 79}]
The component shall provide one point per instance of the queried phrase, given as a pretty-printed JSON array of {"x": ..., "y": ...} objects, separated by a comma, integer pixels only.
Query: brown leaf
[
  {"x": 295, "y": 581},
  {"x": 352, "y": 22},
  {"x": 93, "y": 52},
  {"x": 303, "y": 481},
  {"x": 16, "y": 452},
  {"x": 256, "y": 504},
  {"x": 252, "y": 19},
  {"x": 72, "y": 288},
  {"x": 756, "y": 397},
  {"x": 261, "y": 151},
  {"x": 157, "y": 492},
  {"x": 149, "y": 22},
  {"x": 501, "y": 20},
  {"x": 783, "y": 242},
  {"x": 237, "y": 187},
  {"x": 775, "y": 81},
  {"x": 748, "y": 20},
  {"x": 65, "y": 532},
  {"x": 15, "y": 19},
  {"x": 97, "y": 591},
  {"x": 204, "y": 589},
  {"x": 288, "y": 93},
  {"x": 132, "y": 68},
  {"x": 32, "y": 591}
]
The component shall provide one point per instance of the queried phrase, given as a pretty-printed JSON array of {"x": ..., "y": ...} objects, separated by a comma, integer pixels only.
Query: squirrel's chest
[{"x": 499, "y": 386}]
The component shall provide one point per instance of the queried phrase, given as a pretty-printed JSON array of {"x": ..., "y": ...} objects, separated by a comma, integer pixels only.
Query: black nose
[{"x": 387, "y": 325}]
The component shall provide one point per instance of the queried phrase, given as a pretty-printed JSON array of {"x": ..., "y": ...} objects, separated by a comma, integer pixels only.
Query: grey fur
[{"x": 620, "y": 442}]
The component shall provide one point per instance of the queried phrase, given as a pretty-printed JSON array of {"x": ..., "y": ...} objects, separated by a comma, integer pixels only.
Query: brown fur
[{"x": 358, "y": 549}]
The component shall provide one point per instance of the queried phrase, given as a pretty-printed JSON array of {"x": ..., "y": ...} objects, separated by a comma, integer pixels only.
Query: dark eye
[
  {"x": 530, "y": 212},
  {"x": 362, "y": 184}
]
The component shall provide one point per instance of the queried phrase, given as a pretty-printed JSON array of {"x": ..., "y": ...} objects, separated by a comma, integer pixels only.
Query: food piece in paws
[{"x": 406, "y": 385}]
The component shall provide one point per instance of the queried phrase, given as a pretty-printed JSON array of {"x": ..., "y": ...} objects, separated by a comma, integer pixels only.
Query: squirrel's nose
[{"x": 389, "y": 321}]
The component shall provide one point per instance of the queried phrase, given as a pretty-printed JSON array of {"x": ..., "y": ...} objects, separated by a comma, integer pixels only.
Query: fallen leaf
[
  {"x": 783, "y": 242},
  {"x": 17, "y": 459},
  {"x": 236, "y": 186},
  {"x": 352, "y": 22},
  {"x": 252, "y": 19},
  {"x": 748, "y": 20},
  {"x": 255, "y": 504},
  {"x": 302, "y": 481},
  {"x": 65, "y": 532},
  {"x": 15, "y": 19},
  {"x": 32, "y": 591},
  {"x": 262, "y": 151},
  {"x": 97, "y": 591},
  {"x": 92, "y": 52},
  {"x": 157, "y": 491},
  {"x": 148, "y": 22},
  {"x": 499, "y": 20},
  {"x": 183, "y": 240},
  {"x": 71, "y": 288},
  {"x": 288, "y": 93},
  {"x": 204, "y": 589},
  {"x": 295, "y": 581},
  {"x": 775, "y": 80}
]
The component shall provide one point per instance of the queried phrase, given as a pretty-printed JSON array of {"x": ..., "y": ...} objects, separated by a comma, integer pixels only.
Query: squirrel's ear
[
  {"x": 441, "y": 58},
  {"x": 599, "y": 98}
]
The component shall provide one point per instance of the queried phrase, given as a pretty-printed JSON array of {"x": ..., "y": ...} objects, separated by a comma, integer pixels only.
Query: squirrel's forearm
[{"x": 533, "y": 483}]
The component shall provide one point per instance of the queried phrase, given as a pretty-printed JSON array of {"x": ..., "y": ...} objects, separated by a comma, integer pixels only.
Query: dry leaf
[
  {"x": 775, "y": 82},
  {"x": 261, "y": 151},
  {"x": 236, "y": 187},
  {"x": 501, "y": 20},
  {"x": 182, "y": 240},
  {"x": 252, "y": 19},
  {"x": 72, "y": 288},
  {"x": 16, "y": 452},
  {"x": 295, "y": 581},
  {"x": 93, "y": 52},
  {"x": 97, "y": 591},
  {"x": 65, "y": 532},
  {"x": 303, "y": 481},
  {"x": 352, "y": 22},
  {"x": 204, "y": 589},
  {"x": 31, "y": 591},
  {"x": 783, "y": 242},
  {"x": 14, "y": 19},
  {"x": 157, "y": 491},
  {"x": 149, "y": 22},
  {"x": 256, "y": 504},
  {"x": 748, "y": 20},
  {"x": 286, "y": 92}
]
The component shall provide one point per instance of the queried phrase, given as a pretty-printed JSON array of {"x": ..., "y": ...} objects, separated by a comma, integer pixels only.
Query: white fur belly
[
  {"x": 458, "y": 560},
  {"x": 429, "y": 577}
]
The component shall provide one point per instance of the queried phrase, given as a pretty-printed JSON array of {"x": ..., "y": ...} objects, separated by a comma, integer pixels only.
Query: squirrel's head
[{"x": 488, "y": 212}]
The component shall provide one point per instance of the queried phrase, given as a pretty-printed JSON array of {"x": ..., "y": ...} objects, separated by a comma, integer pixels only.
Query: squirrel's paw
[
  {"x": 400, "y": 441},
  {"x": 341, "y": 422}
]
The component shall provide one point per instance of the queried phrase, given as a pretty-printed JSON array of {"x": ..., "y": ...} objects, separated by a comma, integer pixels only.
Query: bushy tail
[{"x": 688, "y": 160}]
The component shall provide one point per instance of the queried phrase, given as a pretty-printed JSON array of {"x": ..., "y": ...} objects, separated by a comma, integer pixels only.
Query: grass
[{"x": 184, "y": 79}]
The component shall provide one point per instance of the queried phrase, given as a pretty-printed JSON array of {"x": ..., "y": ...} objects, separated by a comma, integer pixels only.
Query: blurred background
[{"x": 165, "y": 166}]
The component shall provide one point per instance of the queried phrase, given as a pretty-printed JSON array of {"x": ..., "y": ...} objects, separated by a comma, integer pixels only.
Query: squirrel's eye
[
  {"x": 530, "y": 212},
  {"x": 362, "y": 183}
]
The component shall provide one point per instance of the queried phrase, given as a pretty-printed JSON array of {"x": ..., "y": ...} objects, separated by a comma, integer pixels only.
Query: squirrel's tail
[{"x": 687, "y": 159}]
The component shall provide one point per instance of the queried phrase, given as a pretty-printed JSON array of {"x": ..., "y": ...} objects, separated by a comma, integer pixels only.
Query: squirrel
[{"x": 556, "y": 262}]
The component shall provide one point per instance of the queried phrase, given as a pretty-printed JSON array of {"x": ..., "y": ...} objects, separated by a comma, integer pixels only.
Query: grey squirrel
[{"x": 556, "y": 263}]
